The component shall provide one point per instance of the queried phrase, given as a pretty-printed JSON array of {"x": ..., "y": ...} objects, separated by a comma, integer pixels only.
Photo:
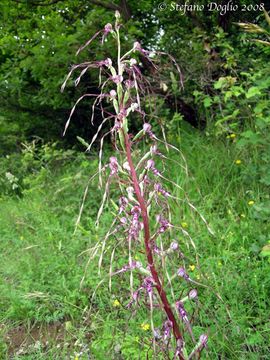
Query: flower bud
[
  {"x": 132, "y": 62},
  {"x": 137, "y": 46},
  {"x": 113, "y": 94},
  {"x": 126, "y": 166},
  {"x": 181, "y": 272},
  {"x": 113, "y": 165},
  {"x": 154, "y": 150},
  {"x": 157, "y": 334},
  {"x": 130, "y": 190},
  {"x": 117, "y": 79},
  {"x": 192, "y": 294},
  {"x": 108, "y": 62},
  {"x": 174, "y": 246},
  {"x": 203, "y": 339},
  {"x": 134, "y": 106},
  {"x": 123, "y": 220},
  {"x": 129, "y": 84},
  {"x": 150, "y": 164},
  {"x": 108, "y": 28},
  {"x": 117, "y": 14},
  {"x": 146, "y": 127}
]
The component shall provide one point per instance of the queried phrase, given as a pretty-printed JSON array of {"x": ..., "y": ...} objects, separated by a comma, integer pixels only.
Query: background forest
[{"x": 220, "y": 119}]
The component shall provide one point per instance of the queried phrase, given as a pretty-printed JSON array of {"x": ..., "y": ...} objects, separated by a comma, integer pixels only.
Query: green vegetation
[{"x": 43, "y": 261}]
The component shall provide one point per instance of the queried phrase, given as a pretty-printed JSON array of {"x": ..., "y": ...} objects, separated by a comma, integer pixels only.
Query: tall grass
[{"x": 42, "y": 263}]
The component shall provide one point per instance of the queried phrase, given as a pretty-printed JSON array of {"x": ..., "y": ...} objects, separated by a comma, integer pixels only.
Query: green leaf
[
  {"x": 267, "y": 16},
  {"x": 207, "y": 102},
  {"x": 253, "y": 91},
  {"x": 83, "y": 142}
]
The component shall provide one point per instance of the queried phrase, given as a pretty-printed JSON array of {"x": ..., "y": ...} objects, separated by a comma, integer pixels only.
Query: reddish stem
[{"x": 148, "y": 250}]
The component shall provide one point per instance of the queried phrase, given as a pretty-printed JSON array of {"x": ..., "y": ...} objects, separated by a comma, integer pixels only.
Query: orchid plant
[{"x": 142, "y": 217}]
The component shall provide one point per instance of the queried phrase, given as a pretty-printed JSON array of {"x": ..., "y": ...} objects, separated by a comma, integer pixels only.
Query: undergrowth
[{"x": 43, "y": 260}]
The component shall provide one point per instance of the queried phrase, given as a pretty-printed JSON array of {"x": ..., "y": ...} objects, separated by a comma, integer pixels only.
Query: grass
[{"x": 46, "y": 314}]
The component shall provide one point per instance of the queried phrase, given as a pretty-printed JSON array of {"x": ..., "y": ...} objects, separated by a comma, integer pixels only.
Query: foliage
[
  {"x": 41, "y": 256},
  {"x": 226, "y": 87},
  {"x": 38, "y": 42}
]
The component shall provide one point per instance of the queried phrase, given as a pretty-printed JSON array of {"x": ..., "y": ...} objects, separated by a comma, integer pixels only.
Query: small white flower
[
  {"x": 134, "y": 107},
  {"x": 126, "y": 166},
  {"x": 133, "y": 62},
  {"x": 113, "y": 94}
]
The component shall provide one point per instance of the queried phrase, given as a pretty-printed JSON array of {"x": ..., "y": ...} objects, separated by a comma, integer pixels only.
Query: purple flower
[
  {"x": 113, "y": 94},
  {"x": 182, "y": 311},
  {"x": 167, "y": 326},
  {"x": 154, "y": 150},
  {"x": 135, "y": 226},
  {"x": 159, "y": 189},
  {"x": 123, "y": 203},
  {"x": 157, "y": 249},
  {"x": 117, "y": 125},
  {"x": 179, "y": 348},
  {"x": 147, "y": 127},
  {"x": 193, "y": 294},
  {"x": 117, "y": 79},
  {"x": 108, "y": 28},
  {"x": 164, "y": 224},
  {"x": 113, "y": 165},
  {"x": 128, "y": 267},
  {"x": 122, "y": 114},
  {"x": 174, "y": 245},
  {"x": 129, "y": 84},
  {"x": 137, "y": 46},
  {"x": 182, "y": 273},
  {"x": 203, "y": 340},
  {"x": 157, "y": 334},
  {"x": 148, "y": 284},
  {"x": 107, "y": 62},
  {"x": 150, "y": 164},
  {"x": 123, "y": 220}
]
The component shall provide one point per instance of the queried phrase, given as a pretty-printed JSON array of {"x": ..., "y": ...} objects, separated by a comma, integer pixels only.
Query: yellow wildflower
[
  {"x": 219, "y": 263},
  {"x": 238, "y": 162},
  {"x": 192, "y": 267},
  {"x": 251, "y": 202},
  {"x": 232, "y": 136},
  {"x": 116, "y": 303},
  {"x": 76, "y": 357},
  {"x": 145, "y": 326},
  {"x": 184, "y": 225}
]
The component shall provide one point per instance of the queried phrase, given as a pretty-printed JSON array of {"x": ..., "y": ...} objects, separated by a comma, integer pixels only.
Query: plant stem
[{"x": 148, "y": 250}]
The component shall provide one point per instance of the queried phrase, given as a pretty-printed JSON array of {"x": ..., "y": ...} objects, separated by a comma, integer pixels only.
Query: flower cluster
[{"x": 143, "y": 218}]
